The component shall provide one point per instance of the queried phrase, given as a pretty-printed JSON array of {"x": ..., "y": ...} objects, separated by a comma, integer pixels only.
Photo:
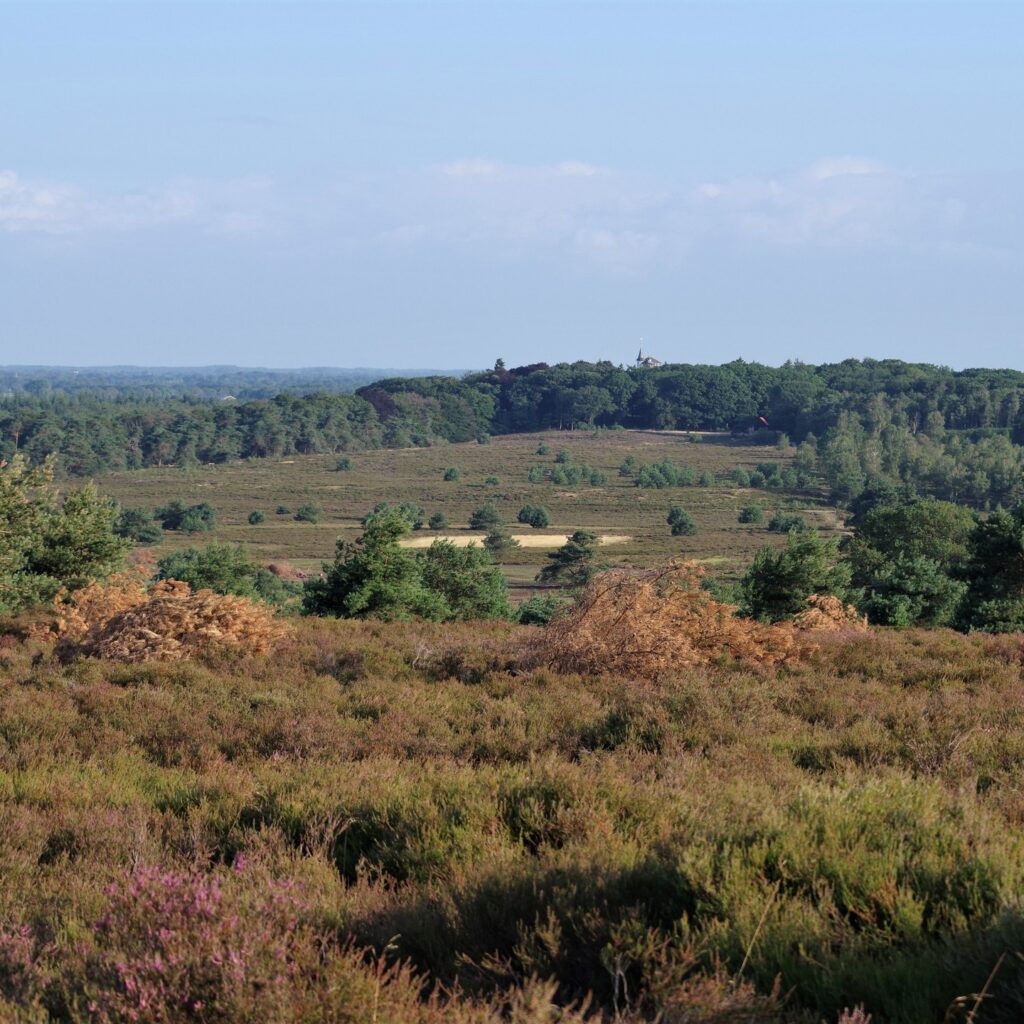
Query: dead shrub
[
  {"x": 121, "y": 621},
  {"x": 828, "y": 614},
  {"x": 645, "y": 623}
]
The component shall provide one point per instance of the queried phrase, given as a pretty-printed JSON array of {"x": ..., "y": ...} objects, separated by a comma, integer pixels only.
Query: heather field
[
  {"x": 405, "y": 822},
  {"x": 615, "y": 507}
]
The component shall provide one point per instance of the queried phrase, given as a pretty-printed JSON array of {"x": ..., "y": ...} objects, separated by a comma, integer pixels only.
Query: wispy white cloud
[{"x": 228, "y": 207}]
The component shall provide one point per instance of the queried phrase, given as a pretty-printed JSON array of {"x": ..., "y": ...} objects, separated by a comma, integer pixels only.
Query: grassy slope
[
  {"x": 618, "y": 507},
  {"x": 866, "y": 806}
]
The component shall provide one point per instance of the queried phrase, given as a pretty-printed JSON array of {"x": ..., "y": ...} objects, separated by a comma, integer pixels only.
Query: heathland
[{"x": 733, "y": 733}]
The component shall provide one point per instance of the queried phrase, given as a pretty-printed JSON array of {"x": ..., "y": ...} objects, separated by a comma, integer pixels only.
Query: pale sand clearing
[{"x": 526, "y": 540}]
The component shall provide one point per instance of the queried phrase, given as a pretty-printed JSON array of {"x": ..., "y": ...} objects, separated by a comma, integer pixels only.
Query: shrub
[
  {"x": 681, "y": 522},
  {"x": 124, "y": 623},
  {"x": 563, "y": 457},
  {"x": 200, "y": 518},
  {"x": 788, "y": 522},
  {"x": 282, "y": 510},
  {"x": 628, "y": 467},
  {"x": 538, "y": 610},
  {"x": 451, "y": 473},
  {"x": 707, "y": 479},
  {"x": 307, "y": 513},
  {"x": 756, "y": 478},
  {"x": 499, "y": 541},
  {"x": 573, "y": 562},
  {"x": 535, "y": 516},
  {"x": 543, "y": 449},
  {"x": 642, "y": 624},
  {"x": 485, "y": 518},
  {"x": 751, "y": 514},
  {"x": 483, "y": 439},
  {"x": 438, "y": 521},
  {"x": 409, "y": 510},
  {"x": 45, "y": 547},
  {"x": 257, "y": 517},
  {"x": 780, "y": 581},
  {"x": 663, "y": 474},
  {"x": 596, "y": 478},
  {"x": 224, "y": 569},
  {"x": 139, "y": 525},
  {"x": 343, "y": 465},
  {"x": 740, "y": 477},
  {"x": 491, "y": 481}
]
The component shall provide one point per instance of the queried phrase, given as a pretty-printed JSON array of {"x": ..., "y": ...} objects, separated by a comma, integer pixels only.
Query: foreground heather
[{"x": 377, "y": 823}]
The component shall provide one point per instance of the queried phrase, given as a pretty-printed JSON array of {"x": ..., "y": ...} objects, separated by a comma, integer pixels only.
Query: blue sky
[{"x": 441, "y": 183}]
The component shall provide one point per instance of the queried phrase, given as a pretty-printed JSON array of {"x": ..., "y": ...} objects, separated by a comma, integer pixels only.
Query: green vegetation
[
  {"x": 485, "y": 518},
  {"x": 751, "y": 514},
  {"x": 200, "y": 518},
  {"x": 343, "y": 465},
  {"x": 787, "y": 522},
  {"x": 375, "y": 577},
  {"x": 138, "y": 525},
  {"x": 779, "y": 581},
  {"x": 574, "y": 563},
  {"x": 682, "y": 522},
  {"x": 307, "y": 513},
  {"x": 47, "y": 545},
  {"x": 438, "y": 521},
  {"x": 225, "y": 569},
  {"x": 534, "y": 515},
  {"x": 451, "y": 473},
  {"x": 256, "y": 517}
]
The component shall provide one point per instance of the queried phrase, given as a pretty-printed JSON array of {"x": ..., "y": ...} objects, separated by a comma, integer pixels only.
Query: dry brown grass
[
  {"x": 121, "y": 621},
  {"x": 646, "y": 623},
  {"x": 828, "y": 614}
]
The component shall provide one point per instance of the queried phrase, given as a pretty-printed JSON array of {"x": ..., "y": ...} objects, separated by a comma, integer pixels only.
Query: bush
[
  {"x": 740, "y": 477},
  {"x": 139, "y": 525},
  {"x": 485, "y": 518},
  {"x": 409, "y": 510},
  {"x": 780, "y": 581},
  {"x": 307, "y": 513},
  {"x": 535, "y": 516},
  {"x": 491, "y": 481},
  {"x": 707, "y": 479},
  {"x": 564, "y": 457},
  {"x": 574, "y": 562},
  {"x": 343, "y": 465},
  {"x": 681, "y": 522},
  {"x": 499, "y": 541},
  {"x": 751, "y": 514},
  {"x": 628, "y": 467},
  {"x": 438, "y": 521},
  {"x": 756, "y": 478},
  {"x": 543, "y": 449},
  {"x": 224, "y": 569},
  {"x": 538, "y": 610},
  {"x": 663, "y": 474},
  {"x": 483, "y": 439},
  {"x": 43, "y": 547},
  {"x": 282, "y": 510},
  {"x": 788, "y": 522},
  {"x": 451, "y": 473},
  {"x": 199, "y": 518},
  {"x": 596, "y": 478},
  {"x": 257, "y": 517}
]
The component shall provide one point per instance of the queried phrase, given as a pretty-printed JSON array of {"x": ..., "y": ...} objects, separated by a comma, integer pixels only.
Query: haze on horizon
[{"x": 437, "y": 184}]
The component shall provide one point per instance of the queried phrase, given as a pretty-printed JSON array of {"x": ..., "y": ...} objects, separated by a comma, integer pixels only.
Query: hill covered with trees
[{"x": 955, "y": 435}]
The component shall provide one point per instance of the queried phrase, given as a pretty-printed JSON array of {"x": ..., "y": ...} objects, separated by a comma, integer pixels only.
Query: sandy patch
[{"x": 526, "y": 540}]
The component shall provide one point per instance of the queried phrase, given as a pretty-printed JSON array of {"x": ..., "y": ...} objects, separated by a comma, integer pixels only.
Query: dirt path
[{"x": 526, "y": 540}]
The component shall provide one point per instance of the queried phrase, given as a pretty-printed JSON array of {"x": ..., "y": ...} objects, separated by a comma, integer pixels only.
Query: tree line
[{"x": 957, "y": 435}]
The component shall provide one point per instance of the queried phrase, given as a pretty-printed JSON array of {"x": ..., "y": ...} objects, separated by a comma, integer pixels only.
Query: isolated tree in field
[
  {"x": 535, "y": 516},
  {"x": 468, "y": 581},
  {"x": 307, "y": 513},
  {"x": 374, "y": 577},
  {"x": 485, "y": 518},
  {"x": 681, "y": 522},
  {"x": 256, "y": 517},
  {"x": 499, "y": 541},
  {"x": 45, "y": 546},
  {"x": 438, "y": 521},
  {"x": 751, "y": 514},
  {"x": 780, "y": 580},
  {"x": 138, "y": 524},
  {"x": 199, "y": 518},
  {"x": 574, "y": 562},
  {"x": 451, "y": 473}
]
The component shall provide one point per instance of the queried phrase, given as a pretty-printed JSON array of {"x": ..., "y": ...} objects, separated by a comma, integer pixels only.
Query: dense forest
[{"x": 956, "y": 435}]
